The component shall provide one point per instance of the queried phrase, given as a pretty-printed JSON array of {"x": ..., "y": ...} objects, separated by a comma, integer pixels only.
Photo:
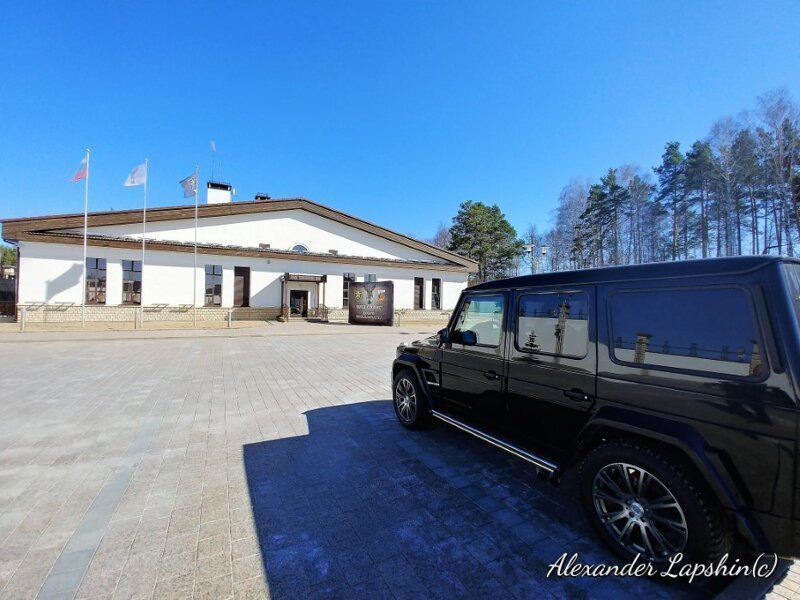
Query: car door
[
  {"x": 472, "y": 365},
  {"x": 551, "y": 366}
]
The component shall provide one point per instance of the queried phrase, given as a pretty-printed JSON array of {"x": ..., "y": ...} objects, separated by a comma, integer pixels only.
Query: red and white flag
[{"x": 81, "y": 172}]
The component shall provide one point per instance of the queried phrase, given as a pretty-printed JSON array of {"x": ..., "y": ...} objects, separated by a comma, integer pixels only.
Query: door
[
  {"x": 419, "y": 292},
  {"x": 472, "y": 365},
  {"x": 551, "y": 366},
  {"x": 298, "y": 303},
  {"x": 241, "y": 286}
]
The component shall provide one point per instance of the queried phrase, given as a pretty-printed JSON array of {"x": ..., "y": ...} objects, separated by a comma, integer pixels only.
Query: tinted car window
[
  {"x": 553, "y": 323},
  {"x": 793, "y": 278},
  {"x": 482, "y": 315},
  {"x": 711, "y": 330}
]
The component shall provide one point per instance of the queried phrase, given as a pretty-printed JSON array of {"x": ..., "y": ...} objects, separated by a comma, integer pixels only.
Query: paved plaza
[{"x": 259, "y": 463}]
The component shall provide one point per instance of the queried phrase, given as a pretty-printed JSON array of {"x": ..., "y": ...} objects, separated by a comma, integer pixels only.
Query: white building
[{"x": 289, "y": 255}]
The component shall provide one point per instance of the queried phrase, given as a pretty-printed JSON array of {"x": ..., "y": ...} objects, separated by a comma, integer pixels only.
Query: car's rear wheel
[
  {"x": 410, "y": 403},
  {"x": 642, "y": 503}
]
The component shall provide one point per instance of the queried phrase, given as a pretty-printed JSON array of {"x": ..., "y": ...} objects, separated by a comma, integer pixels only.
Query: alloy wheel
[
  {"x": 639, "y": 511},
  {"x": 405, "y": 399}
]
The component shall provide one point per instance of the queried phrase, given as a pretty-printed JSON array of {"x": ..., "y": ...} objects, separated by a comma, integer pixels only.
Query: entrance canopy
[{"x": 318, "y": 307}]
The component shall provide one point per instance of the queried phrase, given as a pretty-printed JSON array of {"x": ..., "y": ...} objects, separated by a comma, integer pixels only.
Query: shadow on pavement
[{"x": 362, "y": 508}]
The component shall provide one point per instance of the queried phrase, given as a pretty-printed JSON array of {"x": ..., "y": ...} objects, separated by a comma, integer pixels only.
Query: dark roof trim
[
  {"x": 101, "y": 241},
  {"x": 13, "y": 228}
]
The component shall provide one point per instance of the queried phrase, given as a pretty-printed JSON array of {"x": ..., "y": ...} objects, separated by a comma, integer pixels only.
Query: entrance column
[{"x": 284, "y": 301}]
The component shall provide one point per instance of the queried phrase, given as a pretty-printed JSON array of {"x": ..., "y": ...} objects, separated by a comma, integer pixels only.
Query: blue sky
[{"x": 393, "y": 111}]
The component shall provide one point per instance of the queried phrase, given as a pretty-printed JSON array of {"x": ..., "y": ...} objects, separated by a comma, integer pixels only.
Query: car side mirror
[
  {"x": 469, "y": 338},
  {"x": 444, "y": 335}
]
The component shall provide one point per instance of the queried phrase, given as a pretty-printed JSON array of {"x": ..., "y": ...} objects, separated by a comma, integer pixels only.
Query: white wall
[
  {"x": 53, "y": 273},
  {"x": 50, "y": 273},
  {"x": 282, "y": 230}
]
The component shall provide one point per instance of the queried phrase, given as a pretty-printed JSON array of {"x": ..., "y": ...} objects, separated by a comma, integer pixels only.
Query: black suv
[{"x": 673, "y": 388}]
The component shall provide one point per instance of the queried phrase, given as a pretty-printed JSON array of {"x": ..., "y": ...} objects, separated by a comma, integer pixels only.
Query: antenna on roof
[{"x": 213, "y": 157}]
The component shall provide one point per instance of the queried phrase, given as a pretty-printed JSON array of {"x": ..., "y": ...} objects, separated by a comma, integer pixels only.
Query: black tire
[
  {"x": 651, "y": 524},
  {"x": 409, "y": 401}
]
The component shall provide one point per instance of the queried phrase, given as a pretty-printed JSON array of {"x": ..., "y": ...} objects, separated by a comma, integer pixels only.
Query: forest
[{"x": 736, "y": 191}]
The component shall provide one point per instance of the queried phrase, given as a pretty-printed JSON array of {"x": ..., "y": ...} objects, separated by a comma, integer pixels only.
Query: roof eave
[
  {"x": 214, "y": 249},
  {"x": 12, "y": 228}
]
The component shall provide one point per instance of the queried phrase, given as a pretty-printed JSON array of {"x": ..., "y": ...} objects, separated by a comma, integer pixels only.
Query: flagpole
[
  {"x": 196, "y": 191},
  {"x": 85, "y": 236},
  {"x": 144, "y": 229}
]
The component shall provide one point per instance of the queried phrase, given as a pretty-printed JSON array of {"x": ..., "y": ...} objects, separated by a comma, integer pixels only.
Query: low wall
[
  {"x": 54, "y": 313},
  {"x": 340, "y": 315},
  {"x": 71, "y": 313}
]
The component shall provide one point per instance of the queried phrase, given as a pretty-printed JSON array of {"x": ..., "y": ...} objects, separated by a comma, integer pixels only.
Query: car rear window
[{"x": 693, "y": 329}]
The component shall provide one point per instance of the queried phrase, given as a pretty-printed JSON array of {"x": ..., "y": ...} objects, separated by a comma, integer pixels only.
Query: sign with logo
[
  {"x": 371, "y": 303},
  {"x": 307, "y": 278}
]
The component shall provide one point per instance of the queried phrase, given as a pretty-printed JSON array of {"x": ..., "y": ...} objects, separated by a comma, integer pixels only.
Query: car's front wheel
[
  {"x": 410, "y": 403},
  {"x": 641, "y": 502}
]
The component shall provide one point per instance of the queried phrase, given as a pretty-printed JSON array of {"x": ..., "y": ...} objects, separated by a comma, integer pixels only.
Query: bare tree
[
  {"x": 571, "y": 204},
  {"x": 779, "y": 141},
  {"x": 442, "y": 236},
  {"x": 532, "y": 258},
  {"x": 722, "y": 139}
]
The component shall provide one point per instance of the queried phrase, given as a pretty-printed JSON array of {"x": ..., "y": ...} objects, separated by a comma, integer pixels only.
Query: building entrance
[{"x": 298, "y": 303}]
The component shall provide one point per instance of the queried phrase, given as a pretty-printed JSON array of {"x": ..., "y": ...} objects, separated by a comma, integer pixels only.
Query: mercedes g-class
[{"x": 671, "y": 388}]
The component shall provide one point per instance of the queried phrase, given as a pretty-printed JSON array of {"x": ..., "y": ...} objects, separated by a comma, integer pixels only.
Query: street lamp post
[{"x": 540, "y": 255}]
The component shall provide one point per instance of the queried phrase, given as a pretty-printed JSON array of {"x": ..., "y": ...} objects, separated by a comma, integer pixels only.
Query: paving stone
[
  {"x": 218, "y": 588},
  {"x": 252, "y": 589},
  {"x": 213, "y": 545},
  {"x": 264, "y": 465},
  {"x": 246, "y": 568},
  {"x": 215, "y": 566}
]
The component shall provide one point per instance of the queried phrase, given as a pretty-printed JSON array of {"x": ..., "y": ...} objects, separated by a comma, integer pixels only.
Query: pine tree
[
  {"x": 482, "y": 233},
  {"x": 699, "y": 168},
  {"x": 671, "y": 190}
]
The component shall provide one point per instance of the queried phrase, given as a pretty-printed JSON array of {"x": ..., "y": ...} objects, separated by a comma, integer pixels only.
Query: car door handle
[
  {"x": 577, "y": 395},
  {"x": 491, "y": 375}
]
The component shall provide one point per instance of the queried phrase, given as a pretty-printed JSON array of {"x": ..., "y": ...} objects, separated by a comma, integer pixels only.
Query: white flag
[
  {"x": 189, "y": 185},
  {"x": 137, "y": 177}
]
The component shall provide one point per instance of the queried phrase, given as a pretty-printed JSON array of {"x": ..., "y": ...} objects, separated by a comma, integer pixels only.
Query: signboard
[
  {"x": 307, "y": 278},
  {"x": 371, "y": 303}
]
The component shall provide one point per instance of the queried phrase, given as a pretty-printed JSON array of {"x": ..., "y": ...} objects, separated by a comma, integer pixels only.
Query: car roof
[{"x": 663, "y": 270}]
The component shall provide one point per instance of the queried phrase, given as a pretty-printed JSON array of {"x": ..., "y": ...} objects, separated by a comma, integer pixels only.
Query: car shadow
[{"x": 363, "y": 508}]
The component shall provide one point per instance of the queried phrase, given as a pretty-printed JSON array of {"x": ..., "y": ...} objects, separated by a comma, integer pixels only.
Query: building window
[
  {"x": 554, "y": 323},
  {"x": 348, "y": 277},
  {"x": 370, "y": 278},
  {"x": 213, "y": 285},
  {"x": 687, "y": 330},
  {"x": 95, "y": 281},
  {"x": 299, "y": 248},
  {"x": 419, "y": 293},
  {"x": 436, "y": 294},
  {"x": 131, "y": 282}
]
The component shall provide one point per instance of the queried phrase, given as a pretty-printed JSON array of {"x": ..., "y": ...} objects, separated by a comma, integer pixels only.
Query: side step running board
[{"x": 538, "y": 461}]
